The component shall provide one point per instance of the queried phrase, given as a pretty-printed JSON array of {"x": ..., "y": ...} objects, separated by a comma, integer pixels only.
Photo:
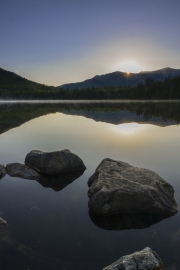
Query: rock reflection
[
  {"x": 59, "y": 181},
  {"x": 126, "y": 221}
]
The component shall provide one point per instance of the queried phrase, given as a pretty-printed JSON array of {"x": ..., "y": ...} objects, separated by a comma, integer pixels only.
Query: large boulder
[
  {"x": 2, "y": 222},
  {"x": 117, "y": 187},
  {"x": 54, "y": 162},
  {"x": 2, "y": 171},
  {"x": 145, "y": 259},
  {"x": 22, "y": 171}
]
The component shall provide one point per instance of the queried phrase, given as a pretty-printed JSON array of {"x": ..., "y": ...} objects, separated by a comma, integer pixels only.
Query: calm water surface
[{"x": 53, "y": 230}]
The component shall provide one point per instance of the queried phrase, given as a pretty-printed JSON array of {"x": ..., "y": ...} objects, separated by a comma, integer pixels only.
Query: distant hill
[
  {"x": 116, "y": 79},
  {"x": 165, "y": 84},
  {"x": 8, "y": 78},
  {"x": 13, "y": 85}
]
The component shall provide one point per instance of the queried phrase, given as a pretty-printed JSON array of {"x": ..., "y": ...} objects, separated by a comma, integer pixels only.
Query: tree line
[{"x": 150, "y": 89}]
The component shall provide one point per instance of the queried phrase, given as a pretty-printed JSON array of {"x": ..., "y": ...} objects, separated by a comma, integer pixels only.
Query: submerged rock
[
  {"x": 125, "y": 221},
  {"x": 145, "y": 259},
  {"x": 54, "y": 162},
  {"x": 2, "y": 171},
  {"x": 59, "y": 181},
  {"x": 22, "y": 171},
  {"x": 2, "y": 222},
  {"x": 117, "y": 187}
]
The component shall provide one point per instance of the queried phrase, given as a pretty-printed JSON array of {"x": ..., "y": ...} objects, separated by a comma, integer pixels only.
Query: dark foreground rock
[
  {"x": 54, "y": 162},
  {"x": 59, "y": 181},
  {"x": 117, "y": 187},
  {"x": 2, "y": 171},
  {"x": 22, "y": 171},
  {"x": 146, "y": 259},
  {"x": 125, "y": 221},
  {"x": 2, "y": 222}
]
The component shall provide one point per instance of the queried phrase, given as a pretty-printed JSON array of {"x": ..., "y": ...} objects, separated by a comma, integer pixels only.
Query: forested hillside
[
  {"x": 16, "y": 87},
  {"x": 167, "y": 89},
  {"x": 13, "y": 86}
]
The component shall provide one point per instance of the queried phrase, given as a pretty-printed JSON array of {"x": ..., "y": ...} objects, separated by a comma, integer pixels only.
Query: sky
[{"x": 61, "y": 41}]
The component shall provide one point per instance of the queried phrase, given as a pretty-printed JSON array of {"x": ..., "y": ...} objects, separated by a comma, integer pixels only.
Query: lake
[{"x": 50, "y": 226}]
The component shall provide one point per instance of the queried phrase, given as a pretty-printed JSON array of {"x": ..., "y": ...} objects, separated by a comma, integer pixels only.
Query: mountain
[
  {"x": 8, "y": 78},
  {"x": 14, "y": 86},
  {"x": 118, "y": 78}
]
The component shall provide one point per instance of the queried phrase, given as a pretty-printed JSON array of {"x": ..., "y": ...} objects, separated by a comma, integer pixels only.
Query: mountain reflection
[
  {"x": 157, "y": 113},
  {"x": 126, "y": 221},
  {"x": 59, "y": 181}
]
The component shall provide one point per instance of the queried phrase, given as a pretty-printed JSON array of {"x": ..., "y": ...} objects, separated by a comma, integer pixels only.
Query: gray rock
[
  {"x": 145, "y": 259},
  {"x": 54, "y": 162},
  {"x": 117, "y": 187},
  {"x": 22, "y": 171},
  {"x": 2, "y": 222},
  {"x": 2, "y": 171}
]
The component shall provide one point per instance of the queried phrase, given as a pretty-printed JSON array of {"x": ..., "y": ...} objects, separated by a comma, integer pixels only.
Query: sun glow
[
  {"x": 129, "y": 67},
  {"x": 130, "y": 128},
  {"x": 128, "y": 75}
]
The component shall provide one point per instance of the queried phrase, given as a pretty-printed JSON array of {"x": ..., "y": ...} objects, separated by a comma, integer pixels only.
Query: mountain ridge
[
  {"x": 118, "y": 78},
  {"x": 165, "y": 84},
  {"x": 9, "y": 75}
]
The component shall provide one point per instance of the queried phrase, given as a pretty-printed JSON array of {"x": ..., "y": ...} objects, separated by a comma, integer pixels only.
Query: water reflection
[
  {"x": 59, "y": 181},
  {"x": 126, "y": 221},
  {"x": 175, "y": 247},
  {"x": 157, "y": 113},
  {"x": 53, "y": 230}
]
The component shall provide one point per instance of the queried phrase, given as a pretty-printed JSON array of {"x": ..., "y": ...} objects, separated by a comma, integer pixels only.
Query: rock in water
[
  {"x": 2, "y": 171},
  {"x": 145, "y": 259},
  {"x": 22, "y": 171},
  {"x": 54, "y": 162},
  {"x": 117, "y": 187},
  {"x": 2, "y": 222}
]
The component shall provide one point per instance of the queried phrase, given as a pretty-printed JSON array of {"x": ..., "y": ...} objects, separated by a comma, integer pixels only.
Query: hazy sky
[{"x": 61, "y": 41}]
